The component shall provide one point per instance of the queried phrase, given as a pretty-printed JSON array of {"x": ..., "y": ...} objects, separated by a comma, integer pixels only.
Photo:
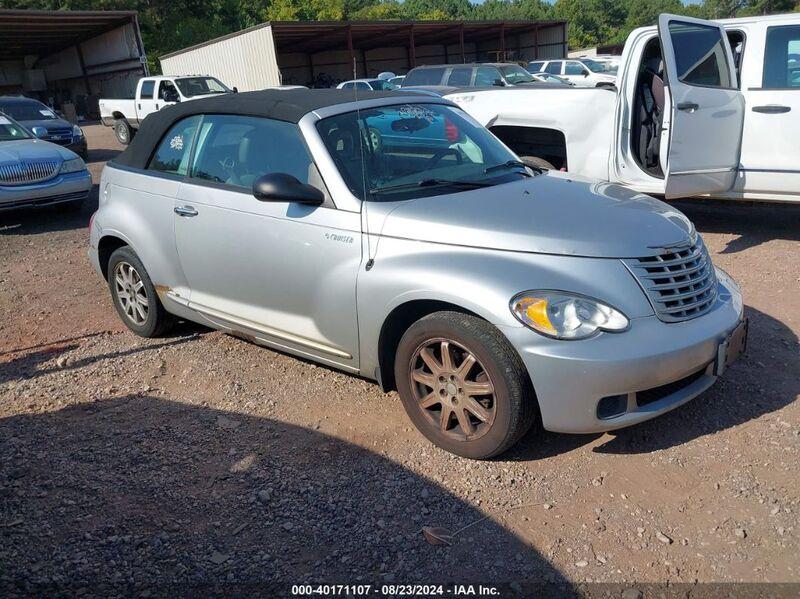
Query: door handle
[
  {"x": 185, "y": 211},
  {"x": 156, "y": 106},
  {"x": 688, "y": 106},
  {"x": 772, "y": 109}
]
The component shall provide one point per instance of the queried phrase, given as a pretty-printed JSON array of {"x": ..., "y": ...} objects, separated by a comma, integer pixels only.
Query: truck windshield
[
  {"x": 200, "y": 86},
  {"x": 27, "y": 110},
  {"x": 415, "y": 150},
  {"x": 516, "y": 74},
  {"x": 11, "y": 131}
]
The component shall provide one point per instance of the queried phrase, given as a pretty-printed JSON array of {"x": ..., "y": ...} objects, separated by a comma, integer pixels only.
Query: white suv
[{"x": 583, "y": 72}]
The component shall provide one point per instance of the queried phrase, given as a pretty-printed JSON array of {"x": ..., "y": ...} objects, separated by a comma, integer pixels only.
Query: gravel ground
[{"x": 202, "y": 458}]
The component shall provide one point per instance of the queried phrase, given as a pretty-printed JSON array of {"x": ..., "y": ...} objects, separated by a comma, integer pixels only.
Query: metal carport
[
  {"x": 70, "y": 56},
  {"x": 281, "y": 52}
]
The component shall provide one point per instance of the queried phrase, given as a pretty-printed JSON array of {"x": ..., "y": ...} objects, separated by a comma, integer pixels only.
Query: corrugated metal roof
[
  {"x": 315, "y": 36},
  {"x": 43, "y": 32}
]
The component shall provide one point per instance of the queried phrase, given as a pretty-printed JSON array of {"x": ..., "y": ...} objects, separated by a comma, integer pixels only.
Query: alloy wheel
[
  {"x": 131, "y": 293},
  {"x": 452, "y": 389}
]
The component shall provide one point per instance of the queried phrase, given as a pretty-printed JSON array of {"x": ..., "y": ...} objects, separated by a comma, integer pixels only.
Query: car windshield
[
  {"x": 594, "y": 67},
  {"x": 200, "y": 86},
  {"x": 415, "y": 150},
  {"x": 27, "y": 110},
  {"x": 11, "y": 131},
  {"x": 515, "y": 74},
  {"x": 382, "y": 84}
]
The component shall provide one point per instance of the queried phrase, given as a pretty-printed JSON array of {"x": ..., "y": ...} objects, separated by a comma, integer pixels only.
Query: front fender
[{"x": 480, "y": 281}]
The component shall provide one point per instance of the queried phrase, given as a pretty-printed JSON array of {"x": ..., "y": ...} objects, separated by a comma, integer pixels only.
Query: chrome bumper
[{"x": 62, "y": 188}]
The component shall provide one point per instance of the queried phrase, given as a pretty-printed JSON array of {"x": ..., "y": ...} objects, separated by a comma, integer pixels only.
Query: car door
[
  {"x": 577, "y": 73},
  {"x": 703, "y": 110},
  {"x": 554, "y": 67},
  {"x": 146, "y": 102},
  {"x": 167, "y": 94},
  {"x": 281, "y": 272},
  {"x": 770, "y": 162}
]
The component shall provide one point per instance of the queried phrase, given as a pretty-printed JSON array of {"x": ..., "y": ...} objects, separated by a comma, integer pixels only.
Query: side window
[
  {"x": 782, "y": 58},
  {"x": 238, "y": 150},
  {"x": 148, "y": 87},
  {"x": 172, "y": 154},
  {"x": 553, "y": 67},
  {"x": 574, "y": 68},
  {"x": 167, "y": 91},
  {"x": 347, "y": 86},
  {"x": 486, "y": 76},
  {"x": 700, "y": 54},
  {"x": 459, "y": 77},
  {"x": 535, "y": 67},
  {"x": 424, "y": 77},
  {"x": 362, "y": 85}
]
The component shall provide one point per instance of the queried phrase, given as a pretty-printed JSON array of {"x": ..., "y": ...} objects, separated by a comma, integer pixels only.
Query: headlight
[
  {"x": 77, "y": 132},
  {"x": 566, "y": 315},
  {"x": 72, "y": 166}
]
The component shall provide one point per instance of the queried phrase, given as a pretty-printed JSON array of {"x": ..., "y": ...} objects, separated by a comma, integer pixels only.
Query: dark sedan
[{"x": 44, "y": 123}]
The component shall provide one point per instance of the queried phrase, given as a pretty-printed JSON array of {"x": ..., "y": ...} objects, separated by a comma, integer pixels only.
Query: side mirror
[
  {"x": 498, "y": 83},
  {"x": 235, "y": 90},
  {"x": 171, "y": 96},
  {"x": 39, "y": 132},
  {"x": 282, "y": 187},
  {"x": 586, "y": 73}
]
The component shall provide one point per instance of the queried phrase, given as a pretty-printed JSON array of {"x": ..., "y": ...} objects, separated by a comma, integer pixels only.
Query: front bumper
[
  {"x": 670, "y": 363},
  {"x": 71, "y": 187}
]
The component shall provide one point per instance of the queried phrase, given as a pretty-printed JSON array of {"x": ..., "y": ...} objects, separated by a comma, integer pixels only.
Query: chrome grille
[
  {"x": 61, "y": 136},
  {"x": 680, "y": 283},
  {"x": 23, "y": 173}
]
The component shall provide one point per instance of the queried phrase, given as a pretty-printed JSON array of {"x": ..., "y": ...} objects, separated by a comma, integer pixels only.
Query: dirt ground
[{"x": 201, "y": 458}]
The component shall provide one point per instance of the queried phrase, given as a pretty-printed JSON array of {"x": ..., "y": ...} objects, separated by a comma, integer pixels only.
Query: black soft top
[{"x": 288, "y": 105}]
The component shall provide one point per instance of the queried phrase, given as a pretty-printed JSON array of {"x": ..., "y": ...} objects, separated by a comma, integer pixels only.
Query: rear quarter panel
[{"x": 137, "y": 207}]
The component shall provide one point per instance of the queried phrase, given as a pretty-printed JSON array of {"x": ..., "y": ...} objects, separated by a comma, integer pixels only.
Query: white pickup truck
[
  {"x": 702, "y": 108},
  {"x": 152, "y": 94}
]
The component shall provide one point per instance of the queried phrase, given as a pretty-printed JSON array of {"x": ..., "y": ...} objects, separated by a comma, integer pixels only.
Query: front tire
[
  {"x": 134, "y": 295},
  {"x": 463, "y": 385}
]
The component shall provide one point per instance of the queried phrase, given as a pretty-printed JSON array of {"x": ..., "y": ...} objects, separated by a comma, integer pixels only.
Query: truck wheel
[
  {"x": 463, "y": 385},
  {"x": 135, "y": 296},
  {"x": 537, "y": 163},
  {"x": 123, "y": 131}
]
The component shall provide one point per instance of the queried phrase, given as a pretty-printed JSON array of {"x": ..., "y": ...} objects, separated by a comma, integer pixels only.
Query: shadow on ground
[
  {"x": 136, "y": 490},
  {"x": 754, "y": 223},
  {"x": 33, "y": 221}
]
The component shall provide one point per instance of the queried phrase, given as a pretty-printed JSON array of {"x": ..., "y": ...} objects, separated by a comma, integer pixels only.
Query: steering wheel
[
  {"x": 228, "y": 165},
  {"x": 434, "y": 160}
]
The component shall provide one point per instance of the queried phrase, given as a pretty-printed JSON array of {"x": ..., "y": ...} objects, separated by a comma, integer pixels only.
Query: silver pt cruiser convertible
[{"x": 395, "y": 238}]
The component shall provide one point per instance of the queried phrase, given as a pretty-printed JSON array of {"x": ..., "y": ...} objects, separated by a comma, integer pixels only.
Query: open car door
[{"x": 701, "y": 141}]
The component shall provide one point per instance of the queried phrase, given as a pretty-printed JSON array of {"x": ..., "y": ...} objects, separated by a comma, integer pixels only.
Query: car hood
[
  {"x": 32, "y": 150},
  {"x": 550, "y": 213}
]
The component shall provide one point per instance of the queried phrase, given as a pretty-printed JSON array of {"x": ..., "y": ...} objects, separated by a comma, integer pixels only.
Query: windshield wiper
[
  {"x": 510, "y": 164},
  {"x": 430, "y": 183}
]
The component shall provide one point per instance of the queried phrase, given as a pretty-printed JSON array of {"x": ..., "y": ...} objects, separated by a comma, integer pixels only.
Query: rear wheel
[
  {"x": 135, "y": 296},
  {"x": 123, "y": 131},
  {"x": 463, "y": 385}
]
